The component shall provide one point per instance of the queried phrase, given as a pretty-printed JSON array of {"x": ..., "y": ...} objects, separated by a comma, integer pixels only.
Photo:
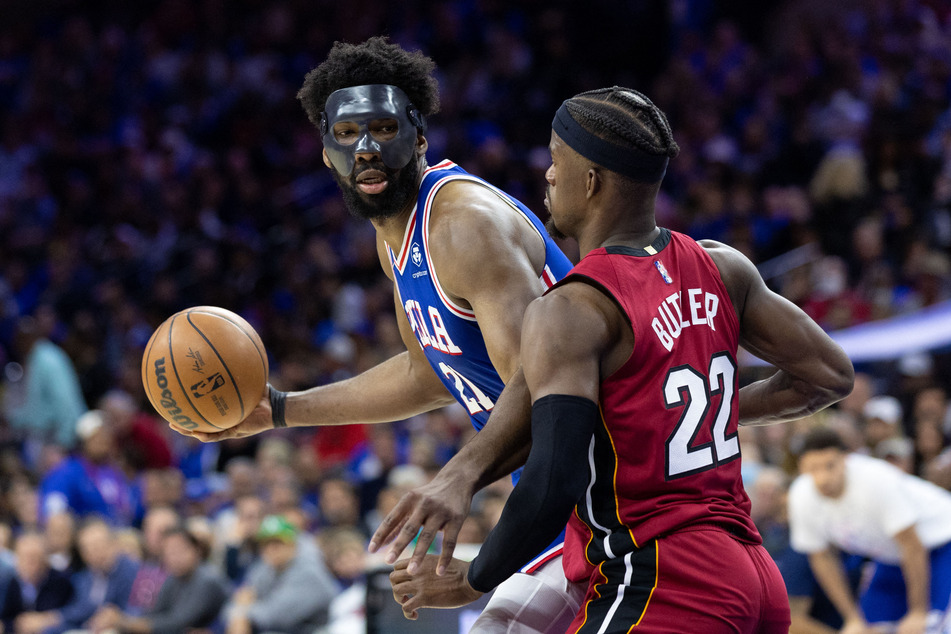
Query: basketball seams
[
  {"x": 237, "y": 391},
  {"x": 185, "y": 395},
  {"x": 255, "y": 338}
]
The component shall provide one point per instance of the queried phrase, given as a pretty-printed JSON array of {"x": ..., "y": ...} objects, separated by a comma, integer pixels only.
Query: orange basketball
[{"x": 205, "y": 369}]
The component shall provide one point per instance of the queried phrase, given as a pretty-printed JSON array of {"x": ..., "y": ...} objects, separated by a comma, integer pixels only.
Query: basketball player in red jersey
[{"x": 631, "y": 366}]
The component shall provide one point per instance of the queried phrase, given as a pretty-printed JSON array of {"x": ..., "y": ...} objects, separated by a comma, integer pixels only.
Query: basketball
[{"x": 205, "y": 369}]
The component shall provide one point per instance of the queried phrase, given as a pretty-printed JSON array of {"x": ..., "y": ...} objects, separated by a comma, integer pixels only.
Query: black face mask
[
  {"x": 359, "y": 106},
  {"x": 401, "y": 189}
]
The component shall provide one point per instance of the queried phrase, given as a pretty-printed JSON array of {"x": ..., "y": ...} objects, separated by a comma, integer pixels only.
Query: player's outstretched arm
[
  {"x": 814, "y": 372},
  {"x": 400, "y": 387},
  {"x": 489, "y": 259}
]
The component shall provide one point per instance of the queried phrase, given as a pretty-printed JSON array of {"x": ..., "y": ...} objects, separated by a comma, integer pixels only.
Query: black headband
[{"x": 635, "y": 164}]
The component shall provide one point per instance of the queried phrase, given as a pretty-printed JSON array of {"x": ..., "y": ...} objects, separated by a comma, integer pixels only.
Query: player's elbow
[
  {"x": 836, "y": 382},
  {"x": 841, "y": 376}
]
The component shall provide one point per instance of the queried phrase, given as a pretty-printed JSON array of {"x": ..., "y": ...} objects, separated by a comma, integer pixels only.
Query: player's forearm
[
  {"x": 393, "y": 390},
  {"x": 916, "y": 570},
  {"x": 784, "y": 397},
  {"x": 550, "y": 486},
  {"x": 503, "y": 444},
  {"x": 828, "y": 571}
]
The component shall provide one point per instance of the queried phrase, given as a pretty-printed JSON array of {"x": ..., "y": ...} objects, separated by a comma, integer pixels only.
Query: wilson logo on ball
[{"x": 168, "y": 401}]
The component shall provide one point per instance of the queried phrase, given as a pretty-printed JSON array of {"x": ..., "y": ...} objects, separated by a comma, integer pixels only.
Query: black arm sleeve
[{"x": 552, "y": 482}]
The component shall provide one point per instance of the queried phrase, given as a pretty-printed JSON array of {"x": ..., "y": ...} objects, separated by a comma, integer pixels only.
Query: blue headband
[{"x": 635, "y": 164}]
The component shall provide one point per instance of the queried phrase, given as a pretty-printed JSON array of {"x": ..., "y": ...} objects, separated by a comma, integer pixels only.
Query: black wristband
[{"x": 278, "y": 403}]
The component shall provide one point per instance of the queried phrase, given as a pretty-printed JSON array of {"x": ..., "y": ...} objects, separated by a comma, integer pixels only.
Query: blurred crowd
[{"x": 153, "y": 157}]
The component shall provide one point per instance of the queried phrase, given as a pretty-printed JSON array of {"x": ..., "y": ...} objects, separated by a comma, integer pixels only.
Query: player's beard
[
  {"x": 553, "y": 231},
  {"x": 402, "y": 187}
]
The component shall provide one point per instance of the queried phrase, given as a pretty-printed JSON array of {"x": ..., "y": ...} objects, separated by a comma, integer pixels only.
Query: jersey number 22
[{"x": 687, "y": 388}]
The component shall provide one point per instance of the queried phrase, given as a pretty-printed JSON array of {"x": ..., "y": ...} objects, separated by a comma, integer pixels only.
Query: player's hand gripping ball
[{"x": 205, "y": 369}]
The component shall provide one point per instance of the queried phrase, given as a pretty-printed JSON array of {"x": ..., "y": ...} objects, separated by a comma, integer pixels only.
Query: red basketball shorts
[{"x": 700, "y": 579}]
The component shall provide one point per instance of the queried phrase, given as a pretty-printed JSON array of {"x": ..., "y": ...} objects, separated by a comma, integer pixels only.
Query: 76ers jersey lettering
[{"x": 448, "y": 333}]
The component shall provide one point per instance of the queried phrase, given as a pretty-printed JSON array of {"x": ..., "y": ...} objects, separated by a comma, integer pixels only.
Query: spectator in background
[
  {"x": 106, "y": 580},
  {"x": 24, "y": 501},
  {"x": 52, "y": 399},
  {"x": 89, "y": 482},
  {"x": 37, "y": 592},
  {"x": 338, "y": 504},
  {"x": 137, "y": 436},
  {"x": 60, "y": 534},
  {"x": 288, "y": 590},
  {"x": 151, "y": 574},
  {"x": 347, "y": 560},
  {"x": 191, "y": 596},
  {"x": 241, "y": 540},
  {"x": 866, "y": 507},
  {"x": 883, "y": 419}
]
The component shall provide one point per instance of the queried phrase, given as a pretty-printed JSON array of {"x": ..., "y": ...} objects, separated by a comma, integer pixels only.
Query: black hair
[
  {"x": 376, "y": 61},
  {"x": 626, "y": 118},
  {"x": 819, "y": 439}
]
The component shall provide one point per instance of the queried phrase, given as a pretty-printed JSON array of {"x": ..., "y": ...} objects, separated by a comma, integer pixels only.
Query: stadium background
[{"x": 153, "y": 157}]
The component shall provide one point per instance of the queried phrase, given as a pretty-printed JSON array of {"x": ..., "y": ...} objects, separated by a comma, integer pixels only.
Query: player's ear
[
  {"x": 421, "y": 145},
  {"x": 327, "y": 159},
  {"x": 593, "y": 182}
]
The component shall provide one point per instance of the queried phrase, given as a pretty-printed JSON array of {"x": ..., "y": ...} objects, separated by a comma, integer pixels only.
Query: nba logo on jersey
[
  {"x": 663, "y": 271},
  {"x": 417, "y": 255}
]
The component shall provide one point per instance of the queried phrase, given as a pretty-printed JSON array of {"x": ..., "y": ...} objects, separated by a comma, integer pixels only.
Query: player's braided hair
[
  {"x": 624, "y": 117},
  {"x": 376, "y": 61}
]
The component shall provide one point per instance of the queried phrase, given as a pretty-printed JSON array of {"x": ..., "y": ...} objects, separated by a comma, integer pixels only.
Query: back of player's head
[
  {"x": 820, "y": 439},
  {"x": 626, "y": 118},
  {"x": 375, "y": 61}
]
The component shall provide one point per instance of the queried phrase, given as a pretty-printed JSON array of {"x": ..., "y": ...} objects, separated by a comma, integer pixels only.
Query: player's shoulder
[
  {"x": 465, "y": 205},
  {"x": 730, "y": 261},
  {"x": 737, "y": 272},
  {"x": 575, "y": 311},
  {"x": 471, "y": 225}
]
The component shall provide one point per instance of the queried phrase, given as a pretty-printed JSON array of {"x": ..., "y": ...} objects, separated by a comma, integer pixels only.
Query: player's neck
[
  {"x": 638, "y": 232},
  {"x": 637, "y": 239}
]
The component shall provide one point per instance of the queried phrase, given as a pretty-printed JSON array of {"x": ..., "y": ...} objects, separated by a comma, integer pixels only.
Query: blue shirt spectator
[
  {"x": 106, "y": 580},
  {"x": 89, "y": 483}
]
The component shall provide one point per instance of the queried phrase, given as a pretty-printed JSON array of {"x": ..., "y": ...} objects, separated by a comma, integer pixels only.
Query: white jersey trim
[
  {"x": 589, "y": 502},
  {"x": 399, "y": 261}
]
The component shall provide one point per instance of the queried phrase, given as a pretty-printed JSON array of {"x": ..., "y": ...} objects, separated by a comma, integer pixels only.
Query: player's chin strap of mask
[{"x": 552, "y": 482}]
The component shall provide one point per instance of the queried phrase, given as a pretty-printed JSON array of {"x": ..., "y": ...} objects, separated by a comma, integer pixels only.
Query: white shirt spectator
[{"x": 878, "y": 502}]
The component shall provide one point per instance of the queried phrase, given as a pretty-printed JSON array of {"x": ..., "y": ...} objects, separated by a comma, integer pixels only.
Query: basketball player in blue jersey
[{"x": 466, "y": 260}]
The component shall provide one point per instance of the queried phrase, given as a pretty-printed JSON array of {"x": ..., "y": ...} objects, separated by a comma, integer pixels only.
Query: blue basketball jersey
[{"x": 447, "y": 332}]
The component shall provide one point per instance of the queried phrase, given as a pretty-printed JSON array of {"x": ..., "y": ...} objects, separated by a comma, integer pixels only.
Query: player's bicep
[
  {"x": 799, "y": 345},
  {"x": 500, "y": 308},
  {"x": 565, "y": 336},
  {"x": 490, "y": 258}
]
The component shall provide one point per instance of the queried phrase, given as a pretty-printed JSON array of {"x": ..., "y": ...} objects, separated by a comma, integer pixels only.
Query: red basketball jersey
[{"x": 665, "y": 455}]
